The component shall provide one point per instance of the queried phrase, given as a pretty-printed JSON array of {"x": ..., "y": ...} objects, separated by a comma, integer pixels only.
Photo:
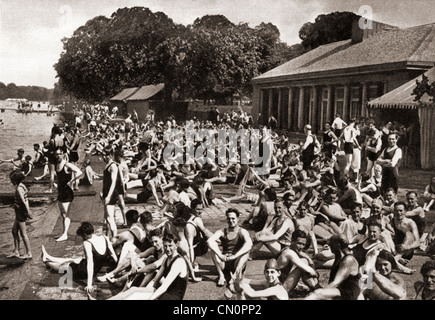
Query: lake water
[{"x": 19, "y": 130}]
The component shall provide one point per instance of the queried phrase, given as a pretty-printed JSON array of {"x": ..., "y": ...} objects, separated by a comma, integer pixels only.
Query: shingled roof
[
  {"x": 410, "y": 45},
  {"x": 146, "y": 92},
  {"x": 124, "y": 94}
]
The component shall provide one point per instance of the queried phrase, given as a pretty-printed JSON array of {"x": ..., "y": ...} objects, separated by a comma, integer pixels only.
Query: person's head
[
  {"x": 412, "y": 198},
  {"x": 329, "y": 195},
  {"x": 374, "y": 229},
  {"x": 338, "y": 243},
  {"x": 184, "y": 184},
  {"x": 327, "y": 126},
  {"x": 343, "y": 183},
  {"x": 108, "y": 154},
  {"x": 376, "y": 206},
  {"x": 299, "y": 240},
  {"x": 269, "y": 194},
  {"x": 145, "y": 218},
  {"x": 428, "y": 272},
  {"x": 16, "y": 177},
  {"x": 36, "y": 146},
  {"x": 307, "y": 128},
  {"x": 377, "y": 169},
  {"x": 20, "y": 152},
  {"x": 390, "y": 195},
  {"x": 232, "y": 215},
  {"x": 271, "y": 271},
  {"x": 132, "y": 216},
  {"x": 170, "y": 244},
  {"x": 399, "y": 210},
  {"x": 356, "y": 212},
  {"x": 303, "y": 208},
  {"x": 385, "y": 263},
  {"x": 280, "y": 207},
  {"x": 196, "y": 206},
  {"x": 85, "y": 230},
  {"x": 156, "y": 240},
  {"x": 28, "y": 158},
  {"x": 392, "y": 139}
]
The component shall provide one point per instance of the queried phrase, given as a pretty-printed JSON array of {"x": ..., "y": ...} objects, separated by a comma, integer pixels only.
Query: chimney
[{"x": 363, "y": 28}]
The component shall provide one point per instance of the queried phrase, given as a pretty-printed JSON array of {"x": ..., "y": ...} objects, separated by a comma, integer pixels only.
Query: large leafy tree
[
  {"x": 327, "y": 28},
  {"x": 210, "y": 59}
]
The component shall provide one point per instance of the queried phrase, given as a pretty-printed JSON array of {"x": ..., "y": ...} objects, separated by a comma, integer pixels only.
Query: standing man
[
  {"x": 311, "y": 145},
  {"x": 390, "y": 162},
  {"x": 338, "y": 125},
  {"x": 349, "y": 137},
  {"x": 236, "y": 243},
  {"x": 109, "y": 194}
]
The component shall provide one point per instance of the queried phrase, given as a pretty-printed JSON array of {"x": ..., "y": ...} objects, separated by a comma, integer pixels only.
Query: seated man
[
  {"x": 270, "y": 288},
  {"x": 386, "y": 284},
  {"x": 295, "y": 264},
  {"x": 236, "y": 244},
  {"x": 350, "y": 196},
  {"x": 406, "y": 237}
]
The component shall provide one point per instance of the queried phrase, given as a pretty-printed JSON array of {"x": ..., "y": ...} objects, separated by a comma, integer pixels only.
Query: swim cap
[{"x": 271, "y": 264}]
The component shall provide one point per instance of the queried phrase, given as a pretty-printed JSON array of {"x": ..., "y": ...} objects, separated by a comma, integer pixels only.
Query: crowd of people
[{"x": 316, "y": 208}]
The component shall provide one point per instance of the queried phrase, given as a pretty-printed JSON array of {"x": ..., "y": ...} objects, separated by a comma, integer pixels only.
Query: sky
[{"x": 31, "y": 30}]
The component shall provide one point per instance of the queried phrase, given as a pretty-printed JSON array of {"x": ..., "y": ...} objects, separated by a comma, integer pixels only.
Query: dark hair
[
  {"x": 85, "y": 229},
  {"x": 429, "y": 265},
  {"x": 179, "y": 222},
  {"x": 132, "y": 216},
  {"x": 146, "y": 217},
  {"x": 270, "y": 194},
  {"x": 169, "y": 237},
  {"x": 17, "y": 176},
  {"x": 194, "y": 203},
  {"x": 298, "y": 233},
  {"x": 387, "y": 255},
  {"x": 184, "y": 184},
  {"x": 399, "y": 203},
  {"x": 229, "y": 210},
  {"x": 156, "y": 232}
]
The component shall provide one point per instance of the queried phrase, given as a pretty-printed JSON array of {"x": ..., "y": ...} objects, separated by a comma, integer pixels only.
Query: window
[
  {"x": 339, "y": 100},
  {"x": 355, "y": 102}
]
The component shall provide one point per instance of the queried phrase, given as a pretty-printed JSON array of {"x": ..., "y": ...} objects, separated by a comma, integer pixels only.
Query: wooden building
[{"x": 342, "y": 77}]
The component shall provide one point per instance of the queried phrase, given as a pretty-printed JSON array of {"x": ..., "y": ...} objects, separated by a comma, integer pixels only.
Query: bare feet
[
  {"x": 14, "y": 254},
  {"x": 44, "y": 254},
  {"x": 62, "y": 238}
]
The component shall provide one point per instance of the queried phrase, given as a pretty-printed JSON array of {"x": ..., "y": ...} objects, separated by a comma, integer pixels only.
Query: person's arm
[
  {"x": 153, "y": 266},
  {"x": 87, "y": 246},
  {"x": 200, "y": 225},
  {"x": 397, "y": 156},
  {"x": 415, "y": 212},
  {"x": 333, "y": 214},
  {"x": 396, "y": 290},
  {"x": 177, "y": 268},
  {"x": 77, "y": 172},
  {"x": 113, "y": 174},
  {"x": 213, "y": 244},
  {"x": 416, "y": 243},
  {"x": 288, "y": 224},
  {"x": 247, "y": 245},
  {"x": 296, "y": 261},
  {"x": 278, "y": 292},
  {"x": 190, "y": 234}
]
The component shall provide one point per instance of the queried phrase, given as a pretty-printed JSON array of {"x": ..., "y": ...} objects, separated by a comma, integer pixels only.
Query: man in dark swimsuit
[
  {"x": 236, "y": 245},
  {"x": 344, "y": 277}
]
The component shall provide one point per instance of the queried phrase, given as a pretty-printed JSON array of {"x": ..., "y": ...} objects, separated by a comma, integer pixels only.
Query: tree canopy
[{"x": 210, "y": 59}]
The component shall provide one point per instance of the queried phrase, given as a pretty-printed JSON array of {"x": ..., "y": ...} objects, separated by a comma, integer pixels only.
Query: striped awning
[{"x": 401, "y": 97}]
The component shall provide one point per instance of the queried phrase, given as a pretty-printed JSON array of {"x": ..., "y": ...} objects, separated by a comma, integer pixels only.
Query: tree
[
  {"x": 424, "y": 87},
  {"x": 327, "y": 28}
]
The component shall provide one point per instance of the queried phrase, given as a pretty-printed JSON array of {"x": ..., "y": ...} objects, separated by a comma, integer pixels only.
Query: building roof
[
  {"x": 124, "y": 94},
  {"x": 412, "y": 46},
  {"x": 401, "y": 97},
  {"x": 146, "y": 92}
]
